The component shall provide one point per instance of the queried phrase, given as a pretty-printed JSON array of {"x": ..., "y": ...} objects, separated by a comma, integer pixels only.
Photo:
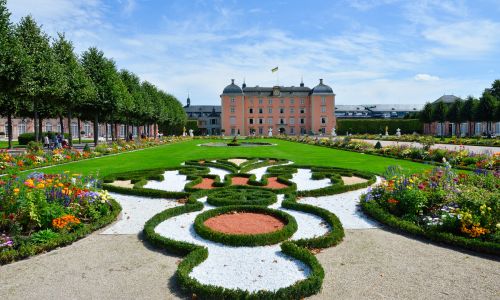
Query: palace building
[{"x": 286, "y": 110}]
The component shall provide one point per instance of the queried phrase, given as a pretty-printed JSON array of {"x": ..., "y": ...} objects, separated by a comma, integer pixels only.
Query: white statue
[
  {"x": 270, "y": 133},
  {"x": 334, "y": 133},
  {"x": 191, "y": 133},
  {"x": 386, "y": 131},
  {"x": 398, "y": 132}
]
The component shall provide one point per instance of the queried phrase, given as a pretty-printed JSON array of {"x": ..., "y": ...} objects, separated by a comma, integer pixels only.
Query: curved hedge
[
  {"x": 374, "y": 210},
  {"x": 246, "y": 240},
  {"x": 241, "y": 196},
  {"x": 28, "y": 250}
]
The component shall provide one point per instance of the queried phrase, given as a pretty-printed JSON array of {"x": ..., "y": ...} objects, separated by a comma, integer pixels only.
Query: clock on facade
[{"x": 276, "y": 92}]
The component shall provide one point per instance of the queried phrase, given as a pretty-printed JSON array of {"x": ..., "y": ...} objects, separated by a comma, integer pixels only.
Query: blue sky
[{"x": 369, "y": 51}]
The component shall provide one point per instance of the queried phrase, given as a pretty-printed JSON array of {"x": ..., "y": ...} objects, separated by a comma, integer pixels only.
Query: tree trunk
[
  {"x": 155, "y": 129},
  {"x": 106, "y": 132},
  {"x": 70, "y": 135},
  {"x": 96, "y": 129},
  {"x": 61, "y": 122},
  {"x": 40, "y": 121},
  {"x": 9, "y": 130},
  {"x": 79, "y": 131},
  {"x": 35, "y": 123},
  {"x": 127, "y": 132}
]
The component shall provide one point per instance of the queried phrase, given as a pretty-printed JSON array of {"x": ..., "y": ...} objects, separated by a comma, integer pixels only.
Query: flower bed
[
  {"x": 36, "y": 157},
  {"x": 473, "y": 141},
  {"x": 41, "y": 212},
  {"x": 462, "y": 210},
  {"x": 462, "y": 159}
]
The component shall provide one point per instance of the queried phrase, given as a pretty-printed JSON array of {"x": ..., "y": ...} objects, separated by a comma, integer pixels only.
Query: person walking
[{"x": 46, "y": 141}]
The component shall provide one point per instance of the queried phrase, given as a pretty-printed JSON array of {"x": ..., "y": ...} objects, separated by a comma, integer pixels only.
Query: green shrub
[
  {"x": 43, "y": 236},
  {"x": 377, "y": 126},
  {"x": 378, "y": 145},
  {"x": 241, "y": 196}
]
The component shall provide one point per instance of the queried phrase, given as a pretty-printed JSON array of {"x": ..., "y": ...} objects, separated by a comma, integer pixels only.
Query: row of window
[
  {"x": 262, "y": 130},
  {"x": 282, "y": 100},
  {"x": 270, "y": 121},
  {"x": 260, "y": 110}
]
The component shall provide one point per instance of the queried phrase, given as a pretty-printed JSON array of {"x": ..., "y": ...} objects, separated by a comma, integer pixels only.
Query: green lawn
[{"x": 174, "y": 154}]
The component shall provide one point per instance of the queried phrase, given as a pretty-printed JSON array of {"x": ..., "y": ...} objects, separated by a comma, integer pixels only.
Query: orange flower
[
  {"x": 393, "y": 201},
  {"x": 65, "y": 221}
]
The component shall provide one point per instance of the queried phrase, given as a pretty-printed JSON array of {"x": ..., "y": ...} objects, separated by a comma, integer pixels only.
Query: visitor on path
[
  {"x": 46, "y": 142},
  {"x": 130, "y": 137}
]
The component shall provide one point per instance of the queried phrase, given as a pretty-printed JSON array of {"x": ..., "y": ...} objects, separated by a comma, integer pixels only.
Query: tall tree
[
  {"x": 12, "y": 68},
  {"x": 79, "y": 87},
  {"x": 43, "y": 82},
  {"x": 486, "y": 110},
  {"x": 455, "y": 115},
  {"x": 439, "y": 114},
  {"x": 468, "y": 112},
  {"x": 425, "y": 115}
]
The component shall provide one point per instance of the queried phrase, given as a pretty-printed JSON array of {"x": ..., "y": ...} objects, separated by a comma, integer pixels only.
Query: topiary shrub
[{"x": 378, "y": 145}]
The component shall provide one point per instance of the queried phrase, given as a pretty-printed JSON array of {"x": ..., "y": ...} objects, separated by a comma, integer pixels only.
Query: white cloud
[{"x": 425, "y": 77}]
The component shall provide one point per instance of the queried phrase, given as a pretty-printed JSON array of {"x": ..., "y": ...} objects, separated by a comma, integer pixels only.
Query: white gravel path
[
  {"x": 345, "y": 206},
  {"x": 304, "y": 182},
  {"x": 173, "y": 182},
  {"x": 136, "y": 211},
  {"x": 217, "y": 171},
  {"x": 249, "y": 268}
]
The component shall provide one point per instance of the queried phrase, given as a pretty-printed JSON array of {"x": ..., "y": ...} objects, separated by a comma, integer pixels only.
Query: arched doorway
[{"x": 282, "y": 130}]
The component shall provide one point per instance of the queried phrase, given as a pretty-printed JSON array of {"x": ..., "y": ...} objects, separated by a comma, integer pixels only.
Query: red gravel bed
[
  {"x": 239, "y": 181},
  {"x": 205, "y": 184},
  {"x": 272, "y": 183},
  {"x": 244, "y": 223}
]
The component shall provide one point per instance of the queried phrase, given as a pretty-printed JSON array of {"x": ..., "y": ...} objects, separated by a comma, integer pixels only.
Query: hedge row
[
  {"x": 377, "y": 126},
  {"x": 28, "y": 250},
  {"x": 241, "y": 196},
  {"x": 374, "y": 210},
  {"x": 247, "y": 240},
  {"x": 197, "y": 254}
]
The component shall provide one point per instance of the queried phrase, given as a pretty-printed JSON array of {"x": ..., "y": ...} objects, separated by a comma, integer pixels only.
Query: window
[
  {"x": 302, "y": 121},
  {"x": 302, "y": 130},
  {"x": 86, "y": 128},
  {"x": 250, "y": 121},
  {"x": 292, "y": 130},
  {"x": 292, "y": 121},
  {"x": 302, "y": 101},
  {"x": 48, "y": 127},
  {"x": 213, "y": 121},
  {"x": 74, "y": 129},
  {"x": 232, "y": 109},
  {"x": 282, "y": 121},
  {"x": 59, "y": 127},
  {"x": 270, "y": 110},
  {"x": 261, "y": 110},
  {"x": 292, "y": 110},
  {"x": 261, "y": 100},
  {"x": 292, "y": 101},
  {"x": 6, "y": 128},
  {"x": 323, "y": 100},
  {"x": 270, "y": 101},
  {"x": 302, "y": 110},
  {"x": 270, "y": 121},
  {"x": 282, "y": 101},
  {"x": 261, "y": 130},
  {"x": 323, "y": 109},
  {"x": 282, "y": 110},
  {"x": 323, "y": 120},
  {"x": 21, "y": 127},
  {"x": 232, "y": 100},
  {"x": 261, "y": 121},
  {"x": 232, "y": 120},
  {"x": 122, "y": 130},
  {"x": 233, "y": 131},
  {"x": 250, "y": 111},
  {"x": 323, "y": 130}
]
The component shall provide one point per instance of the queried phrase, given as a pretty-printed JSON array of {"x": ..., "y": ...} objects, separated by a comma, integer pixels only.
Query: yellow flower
[{"x": 40, "y": 186}]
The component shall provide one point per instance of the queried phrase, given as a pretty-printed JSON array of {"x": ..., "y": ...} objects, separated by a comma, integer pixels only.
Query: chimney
[
  {"x": 232, "y": 81},
  {"x": 321, "y": 81}
]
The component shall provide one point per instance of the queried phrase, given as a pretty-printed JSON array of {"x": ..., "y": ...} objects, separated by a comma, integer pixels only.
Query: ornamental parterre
[{"x": 226, "y": 262}]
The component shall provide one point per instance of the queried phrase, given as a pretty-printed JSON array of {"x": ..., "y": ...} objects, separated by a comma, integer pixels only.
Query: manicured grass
[{"x": 174, "y": 154}]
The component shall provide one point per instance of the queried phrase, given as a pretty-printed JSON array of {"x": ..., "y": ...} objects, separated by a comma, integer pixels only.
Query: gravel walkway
[
  {"x": 474, "y": 149},
  {"x": 368, "y": 264}
]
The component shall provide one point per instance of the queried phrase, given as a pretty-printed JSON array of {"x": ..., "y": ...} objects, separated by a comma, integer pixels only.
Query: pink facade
[{"x": 286, "y": 110}]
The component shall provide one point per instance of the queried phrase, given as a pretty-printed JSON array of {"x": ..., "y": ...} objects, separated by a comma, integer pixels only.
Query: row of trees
[
  {"x": 43, "y": 78},
  {"x": 485, "y": 109}
]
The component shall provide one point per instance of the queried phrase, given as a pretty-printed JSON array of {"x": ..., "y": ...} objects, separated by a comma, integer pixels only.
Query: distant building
[
  {"x": 283, "y": 109},
  {"x": 376, "y": 110},
  {"x": 465, "y": 129},
  {"x": 208, "y": 117}
]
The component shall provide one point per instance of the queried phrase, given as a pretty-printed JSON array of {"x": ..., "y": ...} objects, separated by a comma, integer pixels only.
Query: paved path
[
  {"x": 368, "y": 264},
  {"x": 475, "y": 149}
]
